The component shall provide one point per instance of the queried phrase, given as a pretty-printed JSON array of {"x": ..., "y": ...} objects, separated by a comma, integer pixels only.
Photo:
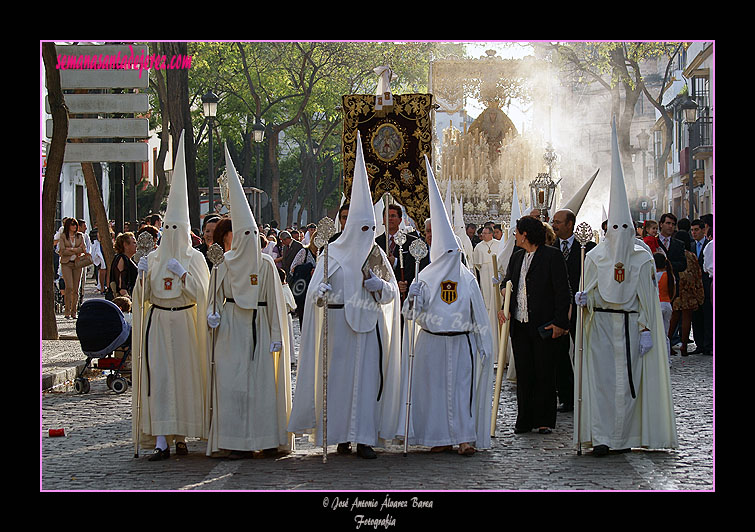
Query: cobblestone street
[{"x": 97, "y": 454}]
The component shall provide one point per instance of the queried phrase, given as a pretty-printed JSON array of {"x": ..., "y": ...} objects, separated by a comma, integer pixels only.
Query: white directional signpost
[{"x": 102, "y": 110}]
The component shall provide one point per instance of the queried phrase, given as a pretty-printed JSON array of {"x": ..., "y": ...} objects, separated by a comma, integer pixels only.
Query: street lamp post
[
  {"x": 642, "y": 140},
  {"x": 689, "y": 106},
  {"x": 258, "y": 135},
  {"x": 210, "y": 108}
]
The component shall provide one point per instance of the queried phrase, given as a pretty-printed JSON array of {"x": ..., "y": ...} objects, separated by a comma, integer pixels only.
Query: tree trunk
[
  {"x": 55, "y": 155},
  {"x": 97, "y": 211},
  {"x": 272, "y": 159},
  {"x": 177, "y": 83},
  {"x": 162, "y": 179}
]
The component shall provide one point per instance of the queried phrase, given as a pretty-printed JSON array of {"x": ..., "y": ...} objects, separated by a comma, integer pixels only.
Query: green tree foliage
[{"x": 295, "y": 89}]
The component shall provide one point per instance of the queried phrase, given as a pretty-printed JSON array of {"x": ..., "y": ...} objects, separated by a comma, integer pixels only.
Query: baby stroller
[{"x": 104, "y": 334}]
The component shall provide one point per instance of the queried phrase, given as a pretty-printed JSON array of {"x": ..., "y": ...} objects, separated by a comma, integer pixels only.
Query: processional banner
[{"x": 395, "y": 141}]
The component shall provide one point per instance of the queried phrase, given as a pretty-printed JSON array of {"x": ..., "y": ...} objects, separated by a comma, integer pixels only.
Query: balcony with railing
[{"x": 703, "y": 131}]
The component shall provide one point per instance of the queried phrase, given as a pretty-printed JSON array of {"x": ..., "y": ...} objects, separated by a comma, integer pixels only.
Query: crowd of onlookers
[
  {"x": 682, "y": 249},
  {"x": 78, "y": 253}
]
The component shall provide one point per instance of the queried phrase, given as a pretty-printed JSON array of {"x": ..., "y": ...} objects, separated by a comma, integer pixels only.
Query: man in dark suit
[
  {"x": 290, "y": 248},
  {"x": 672, "y": 247},
  {"x": 343, "y": 213},
  {"x": 563, "y": 225},
  {"x": 702, "y": 318},
  {"x": 540, "y": 302},
  {"x": 424, "y": 261},
  {"x": 407, "y": 276}
]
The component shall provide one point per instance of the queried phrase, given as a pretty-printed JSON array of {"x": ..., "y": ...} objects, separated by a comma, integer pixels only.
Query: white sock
[{"x": 161, "y": 443}]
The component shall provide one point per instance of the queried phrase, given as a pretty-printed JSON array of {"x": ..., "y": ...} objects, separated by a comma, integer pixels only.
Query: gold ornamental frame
[{"x": 400, "y": 172}]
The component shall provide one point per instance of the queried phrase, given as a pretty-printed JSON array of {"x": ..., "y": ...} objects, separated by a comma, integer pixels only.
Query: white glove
[
  {"x": 374, "y": 283},
  {"x": 213, "y": 320},
  {"x": 323, "y": 289},
  {"x": 416, "y": 295},
  {"x": 276, "y": 346},
  {"x": 142, "y": 267},
  {"x": 646, "y": 342},
  {"x": 175, "y": 267},
  {"x": 415, "y": 289},
  {"x": 580, "y": 298}
]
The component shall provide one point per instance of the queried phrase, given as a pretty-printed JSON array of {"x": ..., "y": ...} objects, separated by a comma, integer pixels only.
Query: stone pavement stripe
[
  {"x": 646, "y": 469},
  {"x": 216, "y": 478}
]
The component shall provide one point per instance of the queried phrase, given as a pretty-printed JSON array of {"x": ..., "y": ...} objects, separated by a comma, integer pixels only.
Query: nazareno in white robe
[
  {"x": 174, "y": 367},
  {"x": 609, "y": 414},
  {"x": 251, "y": 388},
  {"x": 483, "y": 262},
  {"x": 452, "y": 377},
  {"x": 354, "y": 358}
]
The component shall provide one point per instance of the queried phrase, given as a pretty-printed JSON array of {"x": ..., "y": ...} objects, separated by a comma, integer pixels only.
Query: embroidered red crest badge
[
  {"x": 448, "y": 293},
  {"x": 168, "y": 283},
  {"x": 618, "y": 272},
  {"x": 253, "y": 279}
]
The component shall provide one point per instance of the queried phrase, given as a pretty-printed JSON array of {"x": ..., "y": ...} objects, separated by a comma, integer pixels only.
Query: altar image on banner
[{"x": 395, "y": 140}]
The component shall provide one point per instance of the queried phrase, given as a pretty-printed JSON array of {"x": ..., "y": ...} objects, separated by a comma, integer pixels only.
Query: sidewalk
[{"x": 61, "y": 359}]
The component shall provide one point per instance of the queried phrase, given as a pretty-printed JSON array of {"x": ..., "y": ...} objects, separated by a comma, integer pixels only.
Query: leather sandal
[
  {"x": 365, "y": 451},
  {"x": 466, "y": 449},
  {"x": 344, "y": 448},
  {"x": 440, "y": 449},
  {"x": 159, "y": 454},
  {"x": 181, "y": 448}
]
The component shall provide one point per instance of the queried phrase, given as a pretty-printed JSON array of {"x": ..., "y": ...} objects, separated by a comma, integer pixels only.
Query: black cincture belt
[
  {"x": 380, "y": 361},
  {"x": 471, "y": 357},
  {"x": 259, "y": 303},
  {"x": 626, "y": 314},
  {"x": 173, "y": 308},
  {"x": 335, "y": 305},
  {"x": 146, "y": 335},
  {"x": 451, "y": 333}
]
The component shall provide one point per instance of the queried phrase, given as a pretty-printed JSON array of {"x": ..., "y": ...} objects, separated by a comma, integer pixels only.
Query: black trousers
[
  {"x": 702, "y": 326},
  {"x": 564, "y": 371},
  {"x": 534, "y": 361}
]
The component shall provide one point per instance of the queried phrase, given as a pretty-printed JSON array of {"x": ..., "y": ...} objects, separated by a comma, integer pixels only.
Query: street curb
[{"x": 60, "y": 377}]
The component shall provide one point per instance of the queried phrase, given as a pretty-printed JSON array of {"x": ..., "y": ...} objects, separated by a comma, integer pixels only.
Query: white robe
[
  {"x": 251, "y": 396},
  {"x": 452, "y": 381},
  {"x": 354, "y": 414},
  {"x": 483, "y": 262},
  {"x": 290, "y": 307},
  {"x": 609, "y": 414},
  {"x": 170, "y": 398}
]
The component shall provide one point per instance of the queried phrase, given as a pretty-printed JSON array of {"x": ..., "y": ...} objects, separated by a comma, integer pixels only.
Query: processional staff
[
  {"x": 216, "y": 255},
  {"x": 325, "y": 229},
  {"x": 418, "y": 249},
  {"x": 400, "y": 239},
  {"x": 502, "y": 347},
  {"x": 144, "y": 244},
  {"x": 583, "y": 234},
  {"x": 387, "y": 200}
]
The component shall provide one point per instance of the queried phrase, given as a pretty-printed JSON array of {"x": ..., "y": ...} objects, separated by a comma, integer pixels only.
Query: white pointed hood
[
  {"x": 617, "y": 256},
  {"x": 506, "y": 249},
  {"x": 175, "y": 241},
  {"x": 445, "y": 278},
  {"x": 461, "y": 233},
  {"x": 379, "y": 220},
  {"x": 354, "y": 243},
  {"x": 351, "y": 249},
  {"x": 244, "y": 258},
  {"x": 576, "y": 201}
]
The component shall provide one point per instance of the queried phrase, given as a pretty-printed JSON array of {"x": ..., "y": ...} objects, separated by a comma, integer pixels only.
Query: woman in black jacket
[{"x": 540, "y": 301}]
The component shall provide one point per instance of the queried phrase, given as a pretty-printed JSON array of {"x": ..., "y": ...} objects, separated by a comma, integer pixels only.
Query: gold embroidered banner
[{"x": 395, "y": 141}]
